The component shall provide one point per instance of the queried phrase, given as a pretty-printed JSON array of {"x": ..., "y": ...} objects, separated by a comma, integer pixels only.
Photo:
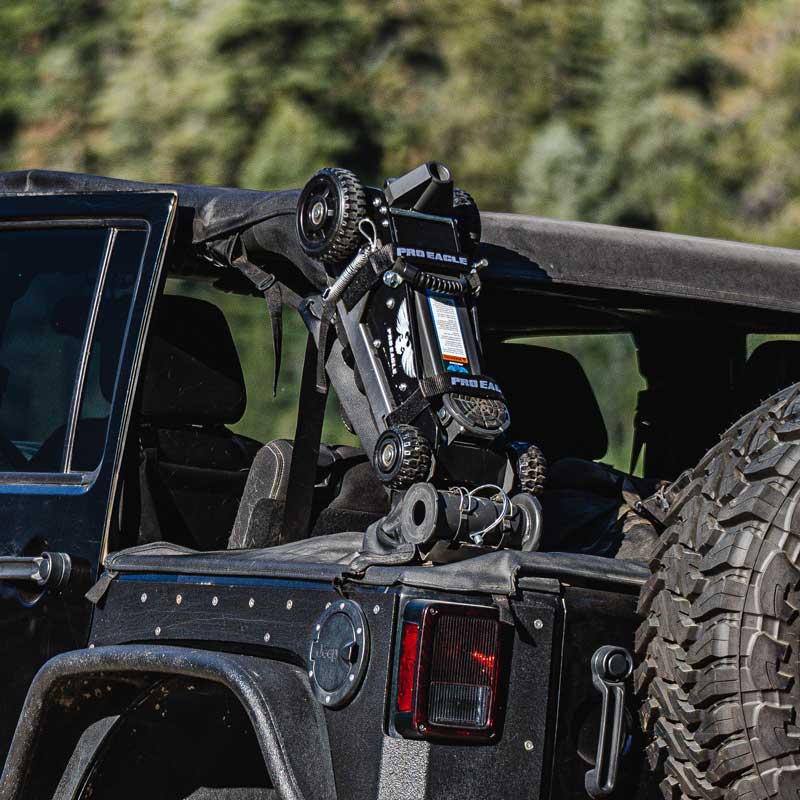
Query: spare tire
[{"x": 718, "y": 650}]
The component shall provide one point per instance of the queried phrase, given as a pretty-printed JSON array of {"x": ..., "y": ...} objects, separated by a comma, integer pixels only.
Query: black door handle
[
  {"x": 611, "y": 666},
  {"x": 48, "y": 571}
]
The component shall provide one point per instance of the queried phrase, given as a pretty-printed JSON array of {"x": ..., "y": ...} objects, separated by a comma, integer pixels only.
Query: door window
[{"x": 55, "y": 392}]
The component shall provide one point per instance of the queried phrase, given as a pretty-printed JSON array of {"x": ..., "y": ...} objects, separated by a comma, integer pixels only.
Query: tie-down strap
[{"x": 431, "y": 386}]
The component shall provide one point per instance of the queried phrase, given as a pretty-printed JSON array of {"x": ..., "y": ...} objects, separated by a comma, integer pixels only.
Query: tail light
[{"x": 448, "y": 671}]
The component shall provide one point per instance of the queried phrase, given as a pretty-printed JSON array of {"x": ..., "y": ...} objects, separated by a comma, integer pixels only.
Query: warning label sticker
[{"x": 448, "y": 329}]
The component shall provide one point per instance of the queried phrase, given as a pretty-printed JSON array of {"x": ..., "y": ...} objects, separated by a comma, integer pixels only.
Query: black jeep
[{"x": 448, "y": 610}]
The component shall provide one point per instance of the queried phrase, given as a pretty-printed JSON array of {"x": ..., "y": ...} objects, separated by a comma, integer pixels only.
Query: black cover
[
  {"x": 521, "y": 249},
  {"x": 328, "y": 558},
  {"x": 205, "y": 213},
  {"x": 524, "y": 249}
]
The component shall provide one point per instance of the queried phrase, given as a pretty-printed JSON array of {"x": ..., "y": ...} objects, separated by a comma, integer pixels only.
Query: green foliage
[{"x": 671, "y": 114}]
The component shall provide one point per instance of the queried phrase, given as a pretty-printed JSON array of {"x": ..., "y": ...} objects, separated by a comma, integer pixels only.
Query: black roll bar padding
[{"x": 288, "y": 723}]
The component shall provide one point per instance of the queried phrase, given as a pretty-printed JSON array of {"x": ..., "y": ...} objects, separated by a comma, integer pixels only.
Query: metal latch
[
  {"x": 611, "y": 667},
  {"x": 48, "y": 571}
]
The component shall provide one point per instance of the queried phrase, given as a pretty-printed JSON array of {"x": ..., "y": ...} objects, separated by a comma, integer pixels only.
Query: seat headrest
[
  {"x": 772, "y": 366},
  {"x": 551, "y": 400},
  {"x": 192, "y": 374}
]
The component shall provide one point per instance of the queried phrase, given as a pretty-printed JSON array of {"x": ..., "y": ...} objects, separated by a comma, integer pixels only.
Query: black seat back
[
  {"x": 551, "y": 401},
  {"x": 772, "y": 366},
  {"x": 194, "y": 468}
]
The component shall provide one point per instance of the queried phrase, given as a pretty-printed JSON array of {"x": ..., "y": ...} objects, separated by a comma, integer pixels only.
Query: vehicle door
[{"x": 78, "y": 275}]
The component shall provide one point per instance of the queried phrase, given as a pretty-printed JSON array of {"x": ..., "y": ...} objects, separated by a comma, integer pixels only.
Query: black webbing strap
[
  {"x": 432, "y": 386},
  {"x": 303, "y": 469},
  {"x": 266, "y": 284},
  {"x": 325, "y": 323}
]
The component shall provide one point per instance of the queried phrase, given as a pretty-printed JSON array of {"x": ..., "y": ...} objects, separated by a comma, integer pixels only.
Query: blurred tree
[{"x": 675, "y": 114}]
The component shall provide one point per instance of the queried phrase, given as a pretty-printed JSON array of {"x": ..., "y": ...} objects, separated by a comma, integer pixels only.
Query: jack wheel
[
  {"x": 402, "y": 457},
  {"x": 330, "y": 207}
]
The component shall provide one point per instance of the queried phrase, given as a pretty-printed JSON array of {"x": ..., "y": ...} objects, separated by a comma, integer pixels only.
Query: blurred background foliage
[{"x": 679, "y": 115}]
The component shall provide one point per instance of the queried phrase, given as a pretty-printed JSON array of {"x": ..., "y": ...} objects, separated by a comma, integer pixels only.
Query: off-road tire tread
[{"x": 718, "y": 648}]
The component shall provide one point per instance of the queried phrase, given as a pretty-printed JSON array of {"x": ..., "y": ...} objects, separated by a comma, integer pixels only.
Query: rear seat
[
  {"x": 588, "y": 506},
  {"x": 347, "y": 495}
]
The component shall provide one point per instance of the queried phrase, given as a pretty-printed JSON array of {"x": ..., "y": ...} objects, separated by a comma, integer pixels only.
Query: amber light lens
[{"x": 408, "y": 667}]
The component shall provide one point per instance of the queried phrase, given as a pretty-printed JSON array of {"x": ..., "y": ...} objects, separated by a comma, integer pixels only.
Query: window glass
[
  {"x": 101, "y": 373},
  {"x": 48, "y": 281},
  {"x": 609, "y": 361}
]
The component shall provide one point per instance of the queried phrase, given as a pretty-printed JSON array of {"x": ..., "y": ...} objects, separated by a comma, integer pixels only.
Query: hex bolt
[
  {"x": 390, "y": 303},
  {"x": 391, "y": 278},
  {"x": 385, "y": 223},
  {"x": 214, "y": 600},
  {"x": 538, "y": 624},
  {"x": 266, "y": 637},
  {"x": 251, "y": 602},
  {"x": 376, "y": 609},
  {"x": 143, "y": 598},
  {"x": 178, "y": 599},
  {"x": 327, "y": 698},
  {"x": 376, "y": 343},
  {"x": 327, "y": 605},
  {"x": 376, "y": 201},
  {"x": 402, "y": 387},
  {"x": 289, "y": 604},
  {"x": 528, "y": 745},
  {"x": 351, "y": 677},
  {"x": 158, "y": 631}
]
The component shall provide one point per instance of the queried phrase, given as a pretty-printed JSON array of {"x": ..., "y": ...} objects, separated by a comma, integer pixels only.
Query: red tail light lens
[
  {"x": 407, "y": 667},
  {"x": 448, "y": 671}
]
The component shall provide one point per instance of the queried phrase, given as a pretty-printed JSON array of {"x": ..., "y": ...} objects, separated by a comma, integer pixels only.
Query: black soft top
[{"x": 522, "y": 250}]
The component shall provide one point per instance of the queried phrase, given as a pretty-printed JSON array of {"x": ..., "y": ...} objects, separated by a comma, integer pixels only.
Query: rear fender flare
[{"x": 275, "y": 695}]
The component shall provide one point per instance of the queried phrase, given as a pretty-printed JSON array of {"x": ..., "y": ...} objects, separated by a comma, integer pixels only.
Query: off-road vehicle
[{"x": 470, "y": 604}]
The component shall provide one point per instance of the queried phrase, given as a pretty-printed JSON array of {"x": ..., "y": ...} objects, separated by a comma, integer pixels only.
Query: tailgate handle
[
  {"x": 48, "y": 571},
  {"x": 611, "y": 667}
]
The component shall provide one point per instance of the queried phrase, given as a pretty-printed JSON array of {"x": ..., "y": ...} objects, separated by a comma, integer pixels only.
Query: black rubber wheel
[
  {"x": 402, "y": 456},
  {"x": 329, "y": 209},
  {"x": 468, "y": 218},
  {"x": 532, "y": 470},
  {"x": 718, "y": 650}
]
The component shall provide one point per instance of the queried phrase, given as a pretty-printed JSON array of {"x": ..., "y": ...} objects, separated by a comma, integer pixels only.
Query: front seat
[{"x": 192, "y": 468}]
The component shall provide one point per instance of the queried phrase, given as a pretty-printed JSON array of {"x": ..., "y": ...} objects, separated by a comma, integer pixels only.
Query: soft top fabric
[
  {"x": 192, "y": 374},
  {"x": 551, "y": 401},
  {"x": 520, "y": 249}
]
